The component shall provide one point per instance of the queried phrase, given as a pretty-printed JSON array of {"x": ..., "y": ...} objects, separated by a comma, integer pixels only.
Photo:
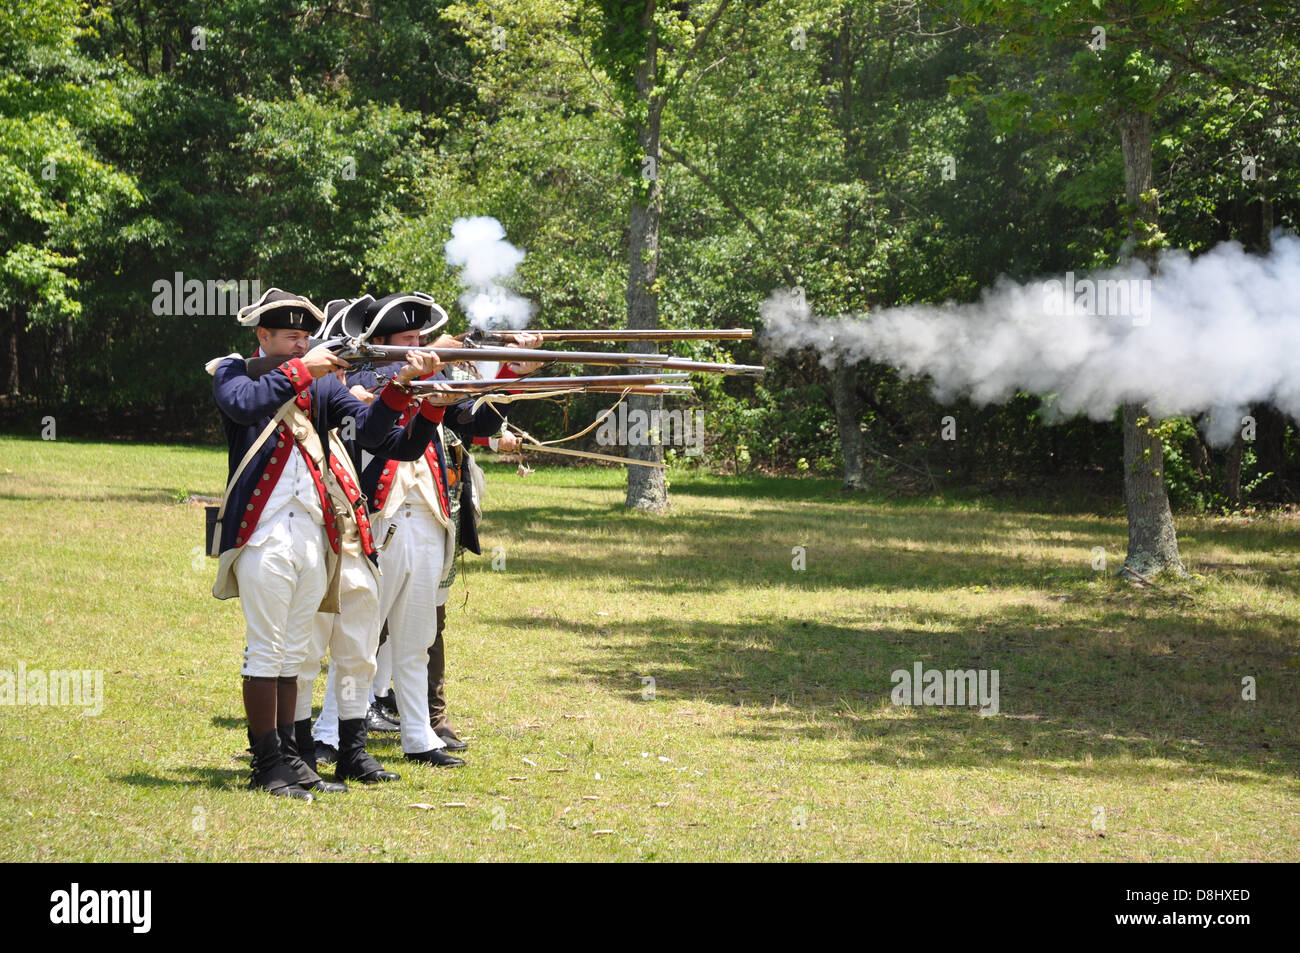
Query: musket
[
  {"x": 681, "y": 390},
  {"x": 663, "y": 384},
  {"x": 356, "y": 352},
  {"x": 487, "y": 336},
  {"x": 614, "y": 381}
]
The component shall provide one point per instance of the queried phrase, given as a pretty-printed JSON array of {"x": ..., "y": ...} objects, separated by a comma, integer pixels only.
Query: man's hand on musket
[
  {"x": 419, "y": 364},
  {"x": 433, "y": 392},
  {"x": 508, "y": 443},
  {"x": 445, "y": 340},
  {"x": 320, "y": 361},
  {"x": 524, "y": 339},
  {"x": 361, "y": 394}
]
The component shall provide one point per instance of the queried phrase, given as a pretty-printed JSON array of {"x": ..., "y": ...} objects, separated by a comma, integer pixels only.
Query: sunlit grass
[{"x": 1122, "y": 732}]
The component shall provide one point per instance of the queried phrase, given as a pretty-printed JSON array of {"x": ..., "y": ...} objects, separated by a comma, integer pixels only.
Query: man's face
[
  {"x": 404, "y": 339},
  {"x": 283, "y": 342}
]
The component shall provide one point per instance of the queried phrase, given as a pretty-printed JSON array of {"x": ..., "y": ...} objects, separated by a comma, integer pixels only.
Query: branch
[
  {"x": 700, "y": 39},
  {"x": 1207, "y": 69},
  {"x": 735, "y": 209}
]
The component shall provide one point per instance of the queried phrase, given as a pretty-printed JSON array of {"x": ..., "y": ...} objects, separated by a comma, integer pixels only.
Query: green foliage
[
  {"x": 1196, "y": 479},
  {"x": 329, "y": 148},
  {"x": 327, "y": 178},
  {"x": 56, "y": 189}
]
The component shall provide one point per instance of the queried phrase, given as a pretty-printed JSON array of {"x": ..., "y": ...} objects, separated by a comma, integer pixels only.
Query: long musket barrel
[
  {"x": 667, "y": 390},
  {"x": 684, "y": 390},
  {"x": 355, "y": 353},
  {"x": 617, "y": 381},
  {"x": 565, "y": 385},
  {"x": 664, "y": 383},
  {"x": 725, "y": 334}
]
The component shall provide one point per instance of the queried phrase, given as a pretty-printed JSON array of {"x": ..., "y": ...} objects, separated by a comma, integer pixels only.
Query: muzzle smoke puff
[
  {"x": 1211, "y": 334},
  {"x": 478, "y": 247}
]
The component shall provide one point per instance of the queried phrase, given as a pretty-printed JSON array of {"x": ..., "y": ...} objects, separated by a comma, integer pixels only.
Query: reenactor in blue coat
[
  {"x": 351, "y": 635},
  {"x": 410, "y": 498},
  {"x": 278, "y": 536},
  {"x": 433, "y": 495}
]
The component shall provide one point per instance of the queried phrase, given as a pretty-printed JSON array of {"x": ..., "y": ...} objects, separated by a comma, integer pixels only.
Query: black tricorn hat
[
  {"x": 392, "y": 314},
  {"x": 279, "y": 309},
  {"x": 336, "y": 311}
]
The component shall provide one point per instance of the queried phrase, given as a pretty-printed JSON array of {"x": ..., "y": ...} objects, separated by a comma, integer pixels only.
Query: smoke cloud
[
  {"x": 1211, "y": 334},
  {"x": 478, "y": 247}
]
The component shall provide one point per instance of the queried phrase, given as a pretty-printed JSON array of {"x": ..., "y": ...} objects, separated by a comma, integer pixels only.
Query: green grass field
[{"x": 1122, "y": 732}]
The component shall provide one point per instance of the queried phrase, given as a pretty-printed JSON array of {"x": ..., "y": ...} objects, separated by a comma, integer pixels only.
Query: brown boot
[{"x": 438, "y": 688}]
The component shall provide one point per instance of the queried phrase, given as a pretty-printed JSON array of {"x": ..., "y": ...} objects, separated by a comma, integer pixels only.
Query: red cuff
[
  {"x": 432, "y": 411},
  {"x": 482, "y": 441},
  {"x": 394, "y": 398},
  {"x": 505, "y": 373},
  {"x": 297, "y": 373}
]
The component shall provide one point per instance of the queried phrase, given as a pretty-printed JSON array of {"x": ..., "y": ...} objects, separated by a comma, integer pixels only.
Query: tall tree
[
  {"x": 628, "y": 50},
  {"x": 1130, "y": 55},
  {"x": 57, "y": 189}
]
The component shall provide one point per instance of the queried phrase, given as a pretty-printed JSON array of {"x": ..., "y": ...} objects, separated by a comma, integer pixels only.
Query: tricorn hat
[
  {"x": 392, "y": 314},
  {"x": 279, "y": 309},
  {"x": 336, "y": 311}
]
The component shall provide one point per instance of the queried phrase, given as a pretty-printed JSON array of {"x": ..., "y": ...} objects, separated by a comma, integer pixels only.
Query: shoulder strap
[{"x": 252, "y": 452}]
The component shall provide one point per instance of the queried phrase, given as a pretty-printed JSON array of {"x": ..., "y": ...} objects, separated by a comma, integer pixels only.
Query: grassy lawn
[{"x": 770, "y": 735}]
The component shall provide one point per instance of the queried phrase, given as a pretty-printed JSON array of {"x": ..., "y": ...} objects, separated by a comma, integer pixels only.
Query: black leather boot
[
  {"x": 377, "y": 720},
  {"x": 388, "y": 704},
  {"x": 305, "y": 774},
  {"x": 354, "y": 762},
  {"x": 437, "y": 757},
  {"x": 271, "y": 774},
  {"x": 326, "y": 754},
  {"x": 306, "y": 743}
]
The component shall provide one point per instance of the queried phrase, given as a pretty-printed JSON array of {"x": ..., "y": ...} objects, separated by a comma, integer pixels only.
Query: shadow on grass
[
  {"x": 868, "y": 546},
  {"x": 1115, "y": 681},
  {"x": 221, "y": 779},
  {"x": 98, "y": 495},
  {"x": 1122, "y": 693}
]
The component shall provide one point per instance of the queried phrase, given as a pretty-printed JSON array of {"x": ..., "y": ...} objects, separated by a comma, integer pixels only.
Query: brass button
[
  {"x": 274, "y": 460},
  {"x": 257, "y": 493},
  {"x": 249, "y": 506},
  {"x": 243, "y": 525}
]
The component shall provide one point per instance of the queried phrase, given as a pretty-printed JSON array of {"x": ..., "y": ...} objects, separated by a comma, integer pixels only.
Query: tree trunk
[
  {"x": 1266, "y": 224},
  {"x": 58, "y": 384},
  {"x": 844, "y": 376},
  {"x": 646, "y": 489},
  {"x": 1232, "y": 471},
  {"x": 1270, "y": 452},
  {"x": 848, "y": 419},
  {"x": 1152, "y": 542},
  {"x": 13, "y": 382}
]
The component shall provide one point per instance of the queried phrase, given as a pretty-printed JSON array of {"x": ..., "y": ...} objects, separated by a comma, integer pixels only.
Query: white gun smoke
[
  {"x": 478, "y": 247},
  {"x": 1208, "y": 335}
]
